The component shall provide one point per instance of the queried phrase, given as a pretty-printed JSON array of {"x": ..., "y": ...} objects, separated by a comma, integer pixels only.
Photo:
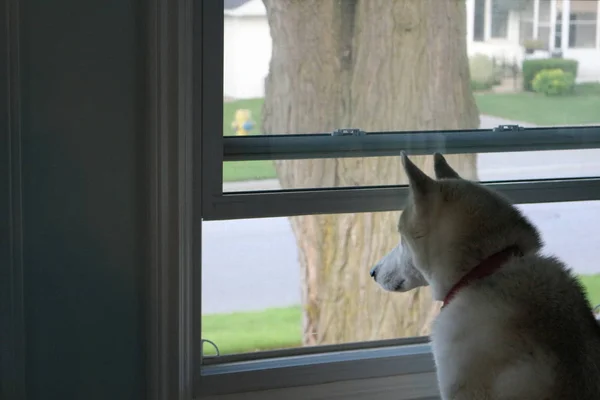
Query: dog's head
[{"x": 448, "y": 225}]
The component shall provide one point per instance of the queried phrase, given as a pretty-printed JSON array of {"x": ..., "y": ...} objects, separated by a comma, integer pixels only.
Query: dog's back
[
  {"x": 515, "y": 324},
  {"x": 530, "y": 334}
]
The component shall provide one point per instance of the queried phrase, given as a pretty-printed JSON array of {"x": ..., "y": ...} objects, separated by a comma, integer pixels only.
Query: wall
[{"x": 83, "y": 205}]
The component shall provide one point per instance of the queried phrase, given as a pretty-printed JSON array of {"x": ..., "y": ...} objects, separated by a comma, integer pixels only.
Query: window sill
[{"x": 407, "y": 372}]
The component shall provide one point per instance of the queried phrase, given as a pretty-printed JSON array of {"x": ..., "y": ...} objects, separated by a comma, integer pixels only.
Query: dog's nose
[{"x": 373, "y": 272}]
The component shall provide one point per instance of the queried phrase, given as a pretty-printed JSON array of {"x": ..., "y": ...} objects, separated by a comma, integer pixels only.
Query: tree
[{"x": 377, "y": 65}]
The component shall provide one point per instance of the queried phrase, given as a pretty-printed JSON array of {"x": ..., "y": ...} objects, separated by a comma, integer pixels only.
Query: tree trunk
[{"x": 377, "y": 65}]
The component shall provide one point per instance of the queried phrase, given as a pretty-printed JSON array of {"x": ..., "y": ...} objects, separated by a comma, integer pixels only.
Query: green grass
[
  {"x": 583, "y": 107},
  {"x": 592, "y": 286},
  {"x": 279, "y": 328},
  {"x": 245, "y": 332},
  {"x": 236, "y": 171}
]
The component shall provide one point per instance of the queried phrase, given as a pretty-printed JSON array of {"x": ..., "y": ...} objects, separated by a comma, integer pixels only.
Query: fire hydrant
[{"x": 242, "y": 123}]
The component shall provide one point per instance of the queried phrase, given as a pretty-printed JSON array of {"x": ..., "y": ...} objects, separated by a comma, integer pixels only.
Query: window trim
[
  {"x": 13, "y": 346},
  {"x": 172, "y": 291}
]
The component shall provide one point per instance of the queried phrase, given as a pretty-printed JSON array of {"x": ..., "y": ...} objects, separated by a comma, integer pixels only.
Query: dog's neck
[{"x": 485, "y": 268}]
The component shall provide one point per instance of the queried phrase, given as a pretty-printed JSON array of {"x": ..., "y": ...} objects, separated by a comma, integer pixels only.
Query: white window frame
[{"x": 187, "y": 154}]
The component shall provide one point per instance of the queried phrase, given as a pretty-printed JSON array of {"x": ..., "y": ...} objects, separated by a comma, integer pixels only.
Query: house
[
  {"x": 500, "y": 27},
  {"x": 496, "y": 28},
  {"x": 247, "y": 49}
]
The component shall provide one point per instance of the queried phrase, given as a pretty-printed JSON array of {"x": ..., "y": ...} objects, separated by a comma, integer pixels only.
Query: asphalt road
[{"x": 253, "y": 264}]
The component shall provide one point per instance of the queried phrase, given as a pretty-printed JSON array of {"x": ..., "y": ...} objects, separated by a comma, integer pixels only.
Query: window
[
  {"x": 536, "y": 22},
  {"x": 583, "y": 24},
  {"x": 499, "y": 19},
  {"x": 544, "y": 22},
  {"x": 526, "y": 19},
  {"x": 479, "y": 21},
  {"x": 301, "y": 184}
]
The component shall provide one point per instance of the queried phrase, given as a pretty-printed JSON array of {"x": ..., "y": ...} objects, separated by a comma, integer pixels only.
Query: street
[{"x": 253, "y": 264}]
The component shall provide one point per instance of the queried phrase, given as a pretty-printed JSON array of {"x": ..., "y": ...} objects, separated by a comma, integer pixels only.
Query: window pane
[
  {"x": 499, "y": 19},
  {"x": 358, "y": 74},
  {"x": 525, "y": 17},
  {"x": 244, "y": 176},
  {"x": 276, "y": 283},
  {"x": 583, "y": 24},
  {"x": 479, "y": 21}
]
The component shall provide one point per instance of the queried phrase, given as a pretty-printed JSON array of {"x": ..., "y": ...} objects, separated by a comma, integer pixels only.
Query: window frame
[{"x": 360, "y": 368}]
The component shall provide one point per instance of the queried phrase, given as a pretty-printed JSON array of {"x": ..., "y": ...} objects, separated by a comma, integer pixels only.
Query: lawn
[
  {"x": 583, "y": 107},
  {"x": 244, "y": 332},
  {"x": 282, "y": 328}
]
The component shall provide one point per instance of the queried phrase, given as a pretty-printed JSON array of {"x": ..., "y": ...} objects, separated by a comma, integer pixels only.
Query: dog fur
[{"x": 526, "y": 331}]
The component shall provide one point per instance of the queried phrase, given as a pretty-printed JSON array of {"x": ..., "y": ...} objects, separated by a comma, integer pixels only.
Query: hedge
[{"x": 532, "y": 67}]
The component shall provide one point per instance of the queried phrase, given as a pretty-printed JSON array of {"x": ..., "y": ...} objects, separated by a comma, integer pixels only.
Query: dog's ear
[
  {"x": 420, "y": 184},
  {"x": 442, "y": 168}
]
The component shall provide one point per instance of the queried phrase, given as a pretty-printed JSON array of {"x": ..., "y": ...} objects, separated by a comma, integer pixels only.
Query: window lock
[
  {"x": 348, "y": 132},
  {"x": 508, "y": 128}
]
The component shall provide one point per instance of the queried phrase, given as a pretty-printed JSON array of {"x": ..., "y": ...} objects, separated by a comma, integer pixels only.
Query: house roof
[{"x": 233, "y": 4}]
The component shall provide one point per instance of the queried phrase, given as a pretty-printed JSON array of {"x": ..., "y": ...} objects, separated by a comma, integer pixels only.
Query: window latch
[
  {"x": 508, "y": 128},
  {"x": 348, "y": 132},
  {"x": 212, "y": 344}
]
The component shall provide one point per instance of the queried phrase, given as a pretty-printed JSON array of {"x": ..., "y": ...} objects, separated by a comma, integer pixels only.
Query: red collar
[{"x": 483, "y": 269}]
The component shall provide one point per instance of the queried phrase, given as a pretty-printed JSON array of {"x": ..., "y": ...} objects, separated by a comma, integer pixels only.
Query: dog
[{"x": 515, "y": 324}]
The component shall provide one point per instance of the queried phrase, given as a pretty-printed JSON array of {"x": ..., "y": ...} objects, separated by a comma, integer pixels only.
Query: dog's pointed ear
[
  {"x": 442, "y": 168},
  {"x": 420, "y": 184}
]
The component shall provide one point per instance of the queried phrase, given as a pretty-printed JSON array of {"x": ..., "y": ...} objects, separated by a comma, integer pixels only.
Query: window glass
[
  {"x": 499, "y": 19},
  {"x": 315, "y": 67},
  {"x": 278, "y": 283}
]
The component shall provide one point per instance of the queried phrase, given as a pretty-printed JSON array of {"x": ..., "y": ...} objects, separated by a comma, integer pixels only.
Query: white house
[
  {"x": 499, "y": 27},
  {"x": 247, "y": 48},
  {"x": 494, "y": 27}
]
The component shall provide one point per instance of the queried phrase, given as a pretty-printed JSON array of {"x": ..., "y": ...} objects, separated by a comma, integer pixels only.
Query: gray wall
[{"x": 83, "y": 204}]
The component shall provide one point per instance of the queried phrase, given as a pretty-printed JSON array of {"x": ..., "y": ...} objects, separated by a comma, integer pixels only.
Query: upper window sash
[{"x": 504, "y": 138}]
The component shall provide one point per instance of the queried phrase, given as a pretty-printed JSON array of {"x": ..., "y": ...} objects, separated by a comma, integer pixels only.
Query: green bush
[
  {"x": 553, "y": 82},
  {"x": 532, "y": 67},
  {"x": 477, "y": 86},
  {"x": 484, "y": 74}
]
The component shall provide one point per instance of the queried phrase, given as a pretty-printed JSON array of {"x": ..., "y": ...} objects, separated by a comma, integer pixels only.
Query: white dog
[{"x": 514, "y": 324}]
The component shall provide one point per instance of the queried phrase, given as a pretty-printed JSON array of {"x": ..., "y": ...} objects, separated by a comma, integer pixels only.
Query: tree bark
[{"x": 377, "y": 65}]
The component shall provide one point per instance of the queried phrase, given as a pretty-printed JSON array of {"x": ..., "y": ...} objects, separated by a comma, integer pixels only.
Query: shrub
[
  {"x": 477, "y": 86},
  {"x": 532, "y": 67},
  {"x": 553, "y": 82},
  {"x": 484, "y": 74}
]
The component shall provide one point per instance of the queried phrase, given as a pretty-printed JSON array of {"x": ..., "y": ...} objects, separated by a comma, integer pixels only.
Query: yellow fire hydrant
[{"x": 242, "y": 123}]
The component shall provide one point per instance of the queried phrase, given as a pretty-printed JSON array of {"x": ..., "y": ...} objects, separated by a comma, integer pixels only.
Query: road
[{"x": 253, "y": 264}]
